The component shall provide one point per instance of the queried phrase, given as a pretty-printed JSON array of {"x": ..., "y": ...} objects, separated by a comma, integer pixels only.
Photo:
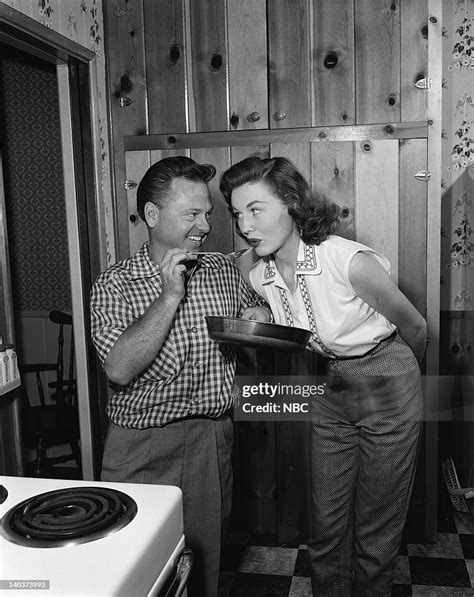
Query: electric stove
[{"x": 63, "y": 537}]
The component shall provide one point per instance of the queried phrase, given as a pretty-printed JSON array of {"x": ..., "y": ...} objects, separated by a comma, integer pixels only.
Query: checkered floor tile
[{"x": 254, "y": 567}]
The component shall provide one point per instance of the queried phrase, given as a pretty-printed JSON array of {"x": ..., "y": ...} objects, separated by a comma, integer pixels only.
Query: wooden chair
[{"x": 54, "y": 422}]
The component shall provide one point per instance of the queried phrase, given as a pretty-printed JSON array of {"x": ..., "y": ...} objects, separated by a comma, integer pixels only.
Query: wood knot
[
  {"x": 234, "y": 120},
  {"x": 331, "y": 60},
  {"x": 174, "y": 54},
  {"x": 216, "y": 61}
]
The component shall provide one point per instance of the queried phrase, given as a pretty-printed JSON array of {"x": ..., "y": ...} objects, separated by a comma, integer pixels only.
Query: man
[{"x": 169, "y": 421}]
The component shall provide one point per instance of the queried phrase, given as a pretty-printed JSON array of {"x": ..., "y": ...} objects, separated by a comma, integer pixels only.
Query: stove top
[
  {"x": 127, "y": 558},
  {"x": 68, "y": 516}
]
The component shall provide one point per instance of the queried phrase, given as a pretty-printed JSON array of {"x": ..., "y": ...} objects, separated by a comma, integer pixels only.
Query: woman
[{"x": 365, "y": 428}]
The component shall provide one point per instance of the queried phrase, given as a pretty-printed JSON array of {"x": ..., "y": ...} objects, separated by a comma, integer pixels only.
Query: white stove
[{"x": 133, "y": 556}]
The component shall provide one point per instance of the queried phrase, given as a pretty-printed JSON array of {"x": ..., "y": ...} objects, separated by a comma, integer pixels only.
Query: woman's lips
[{"x": 254, "y": 242}]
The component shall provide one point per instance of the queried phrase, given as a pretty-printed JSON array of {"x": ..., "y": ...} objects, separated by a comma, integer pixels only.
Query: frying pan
[{"x": 247, "y": 332}]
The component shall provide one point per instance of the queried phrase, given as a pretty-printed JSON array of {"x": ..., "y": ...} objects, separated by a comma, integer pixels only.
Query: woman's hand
[{"x": 257, "y": 313}]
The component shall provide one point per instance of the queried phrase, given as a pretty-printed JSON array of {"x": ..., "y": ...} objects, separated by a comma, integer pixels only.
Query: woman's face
[{"x": 263, "y": 219}]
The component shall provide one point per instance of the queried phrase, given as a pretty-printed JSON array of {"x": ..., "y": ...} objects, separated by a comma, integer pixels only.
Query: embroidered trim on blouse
[
  {"x": 312, "y": 320},
  {"x": 309, "y": 310},
  {"x": 309, "y": 261},
  {"x": 269, "y": 272}
]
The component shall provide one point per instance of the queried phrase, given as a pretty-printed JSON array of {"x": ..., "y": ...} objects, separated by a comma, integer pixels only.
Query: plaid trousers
[{"x": 364, "y": 446}]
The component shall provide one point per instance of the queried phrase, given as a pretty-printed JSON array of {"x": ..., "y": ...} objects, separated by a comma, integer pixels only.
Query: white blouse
[{"x": 324, "y": 301}]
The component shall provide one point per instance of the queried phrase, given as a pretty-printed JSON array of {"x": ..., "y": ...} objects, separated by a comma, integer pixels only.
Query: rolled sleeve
[
  {"x": 111, "y": 314},
  {"x": 250, "y": 298}
]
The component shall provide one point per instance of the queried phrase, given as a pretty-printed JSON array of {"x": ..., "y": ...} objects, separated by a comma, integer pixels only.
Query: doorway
[{"x": 50, "y": 197}]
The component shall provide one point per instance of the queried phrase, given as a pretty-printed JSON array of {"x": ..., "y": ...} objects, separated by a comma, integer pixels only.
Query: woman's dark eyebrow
[
  {"x": 248, "y": 205},
  {"x": 254, "y": 201}
]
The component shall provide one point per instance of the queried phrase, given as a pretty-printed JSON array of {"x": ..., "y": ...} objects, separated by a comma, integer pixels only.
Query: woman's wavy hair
[
  {"x": 313, "y": 215},
  {"x": 156, "y": 183}
]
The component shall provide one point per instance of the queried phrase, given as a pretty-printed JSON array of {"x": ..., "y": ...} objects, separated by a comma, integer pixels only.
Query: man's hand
[
  {"x": 257, "y": 314},
  {"x": 172, "y": 269}
]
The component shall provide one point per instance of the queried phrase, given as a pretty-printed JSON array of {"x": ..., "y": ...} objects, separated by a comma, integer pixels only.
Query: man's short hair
[{"x": 156, "y": 183}]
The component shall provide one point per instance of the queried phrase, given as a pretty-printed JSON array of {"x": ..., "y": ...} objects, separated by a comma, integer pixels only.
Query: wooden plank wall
[
  {"x": 413, "y": 59},
  {"x": 247, "y": 54},
  {"x": 215, "y": 66},
  {"x": 413, "y": 214},
  {"x": 289, "y": 64},
  {"x": 377, "y": 52},
  {"x": 126, "y": 72},
  {"x": 207, "y": 74},
  {"x": 165, "y": 65},
  {"x": 376, "y": 191},
  {"x": 333, "y": 68}
]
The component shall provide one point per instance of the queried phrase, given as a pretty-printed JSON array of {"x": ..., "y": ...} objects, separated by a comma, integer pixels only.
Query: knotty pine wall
[{"x": 200, "y": 66}]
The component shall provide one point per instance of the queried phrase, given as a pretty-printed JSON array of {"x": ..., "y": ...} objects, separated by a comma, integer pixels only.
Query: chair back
[
  {"x": 54, "y": 422},
  {"x": 65, "y": 387}
]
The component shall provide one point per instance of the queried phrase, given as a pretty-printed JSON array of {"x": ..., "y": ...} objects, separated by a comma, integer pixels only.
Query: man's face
[{"x": 183, "y": 220}]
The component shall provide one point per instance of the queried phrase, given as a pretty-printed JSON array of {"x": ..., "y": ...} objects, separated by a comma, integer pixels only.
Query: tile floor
[{"x": 254, "y": 567}]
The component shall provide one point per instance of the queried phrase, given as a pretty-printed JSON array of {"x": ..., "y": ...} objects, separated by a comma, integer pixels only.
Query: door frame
[{"x": 76, "y": 71}]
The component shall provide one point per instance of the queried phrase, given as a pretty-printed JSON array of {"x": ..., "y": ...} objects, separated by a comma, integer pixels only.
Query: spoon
[
  {"x": 233, "y": 255},
  {"x": 192, "y": 266}
]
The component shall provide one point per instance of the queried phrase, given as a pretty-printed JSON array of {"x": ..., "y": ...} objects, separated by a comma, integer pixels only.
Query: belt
[{"x": 386, "y": 340}]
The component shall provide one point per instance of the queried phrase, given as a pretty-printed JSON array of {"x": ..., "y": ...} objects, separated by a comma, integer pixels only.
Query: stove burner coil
[{"x": 68, "y": 516}]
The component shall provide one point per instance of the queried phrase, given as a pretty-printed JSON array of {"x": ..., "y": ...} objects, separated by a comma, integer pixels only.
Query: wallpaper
[
  {"x": 81, "y": 21},
  {"x": 457, "y": 241},
  {"x": 33, "y": 179}
]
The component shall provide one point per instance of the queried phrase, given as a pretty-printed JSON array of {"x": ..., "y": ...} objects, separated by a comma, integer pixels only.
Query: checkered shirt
[{"x": 191, "y": 375}]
